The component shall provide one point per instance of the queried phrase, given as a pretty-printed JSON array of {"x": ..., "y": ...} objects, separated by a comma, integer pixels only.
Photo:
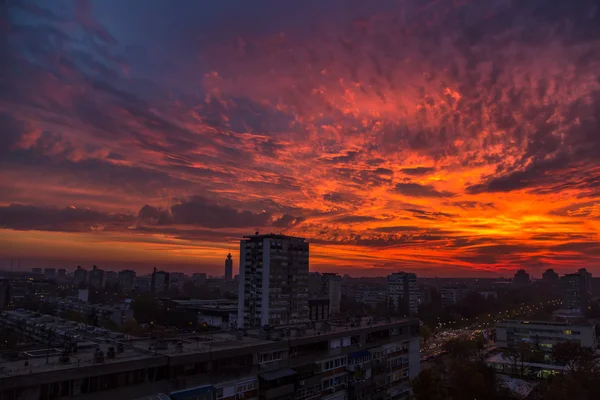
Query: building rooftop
[
  {"x": 83, "y": 358},
  {"x": 149, "y": 349},
  {"x": 272, "y": 236},
  {"x": 546, "y": 323}
]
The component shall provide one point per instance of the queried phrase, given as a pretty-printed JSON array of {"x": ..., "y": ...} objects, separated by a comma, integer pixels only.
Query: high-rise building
[
  {"x": 176, "y": 280},
  {"x": 79, "y": 276},
  {"x": 403, "y": 292},
  {"x": 550, "y": 276},
  {"x": 273, "y": 283},
  {"x": 199, "y": 279},
  {"x": 142, "y": 284},
  {"x": 576, "y": 290},
  {"x": 521, "y": 278},
  {"x": 96, "y": 278},
  {"x": 228, "y": 267},
  {"x": 126, "y": 280},
  {"x": 50, "y": 273},
  {"x": 160, "y": 281},
  {"x": 111, "y": 278},
  {"x": 62, "y": 275},
  {"x": 332, "y": 288}
]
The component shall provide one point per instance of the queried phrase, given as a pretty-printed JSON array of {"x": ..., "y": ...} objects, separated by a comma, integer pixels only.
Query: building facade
[
  {"x": 403, "y": 292},
  {"x": 96, "y": 278},
  {"x": 452, "y": 294},
  {"x": 576, "y": 289},
  {"x": 80, "y": 276},
  {"x": 545, "y": 333},
  {"x": 367, "y": 360},
  {"x": 273, "y": 280},
  {"x": 126, "y": 280}
]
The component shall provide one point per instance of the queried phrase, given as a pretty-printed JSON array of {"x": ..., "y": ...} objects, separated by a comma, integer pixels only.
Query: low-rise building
[
  {"x": 361, "y": 359},
  {"x": 545, "y": 333}
]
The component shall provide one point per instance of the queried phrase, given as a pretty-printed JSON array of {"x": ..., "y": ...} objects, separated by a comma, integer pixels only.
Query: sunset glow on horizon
[{"x": 445, "y": 138}]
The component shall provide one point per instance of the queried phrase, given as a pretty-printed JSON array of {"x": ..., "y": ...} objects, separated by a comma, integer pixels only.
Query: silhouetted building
[
  {"x": 62, "y": 275},
  {"x": 176, "y": 280},
  {"x": 332, "y": 287},
  {"x": 273, "y": 287},
  {"x": 228, "y": 267},
  {"x": 453, "y": 294},
  {"x": 550, "y": 276},
  {"x": 79, "y": 276},
  {"x": 199, "y": 279},
  {"x": 576, "y": 292},
  {"x": 402, "y": 291},
  {"x": 50, "y": 273},
  {"x": 111, "y": 278},
  {"x": 160, "y": 281},
  {"x": 142, "y": 283},
  {"x": 36, "y": 271},
  {"x": 4, "y": 293},
  {"x": 96, "y": 278},
  {"x": 126, "y": 280},
  {"x": 521, "y": 278}
]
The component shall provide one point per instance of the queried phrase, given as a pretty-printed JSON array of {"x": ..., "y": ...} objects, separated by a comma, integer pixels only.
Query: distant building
[
  {"x": 160, "y": 281},
  {"x": 403, "y": 291},
  {"x": 96, "y": 278},
  {"x": 111, "y": 278},
  {"x": 576, "y": 290},
  {"x": 228, "y": 267},
  {"x": 424, "y": 294},
  {"x": 4, "y": 293},
  {"x": 50, "y": 273},
  {"x": 62, "y": 275},
  {"x": 142, "y": 284},
  {"x": 550, "y": 276},
  {"x": 330, "y": 288},
  {"x": 126, "y": 280},
  {"x": 176, "y": 280},
  {"x": 453, "y": 294},
  {"x": 544, "y": 333},
  {"x": 79, "y": 276},
  {"x": 199, "y": 279},
  {"x": 36, "y": 271},
  {"x": 273, "y": 287},
  {"x": 318, "y": 309},
  {"x": 489, "y": 295},
  {"x": 521, "y": 278}
]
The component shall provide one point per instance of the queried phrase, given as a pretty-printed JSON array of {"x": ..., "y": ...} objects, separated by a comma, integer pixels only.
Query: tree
[
  {"x": 512, "y": 355},
  {"x": 425, "y": 333},
  {"x": 572, "y": 355},
  {"x": 459, "y": 348},
  {"x": 429, "y": 385}
]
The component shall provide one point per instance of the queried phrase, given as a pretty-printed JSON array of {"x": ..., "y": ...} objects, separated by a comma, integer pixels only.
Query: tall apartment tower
[
  {"x": 228, "y": 267},
  {"x": 332, "y": 288},
  {"x": 402, "y": 287},
  {"x": 576, "y": 290},
  {"x": 273, "y": 281}
]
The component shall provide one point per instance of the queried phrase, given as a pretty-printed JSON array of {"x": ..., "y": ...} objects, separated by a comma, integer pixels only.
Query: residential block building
[
  {"x": 361, "y": 359},
  {"x": 273, "y": 281}
]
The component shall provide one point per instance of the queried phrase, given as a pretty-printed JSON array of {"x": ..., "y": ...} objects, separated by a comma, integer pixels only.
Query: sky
[{"x": 445, "y": 138}]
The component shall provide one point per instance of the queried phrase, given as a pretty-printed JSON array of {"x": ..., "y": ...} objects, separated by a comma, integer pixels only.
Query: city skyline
[{"x": 451, "y": 139}]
